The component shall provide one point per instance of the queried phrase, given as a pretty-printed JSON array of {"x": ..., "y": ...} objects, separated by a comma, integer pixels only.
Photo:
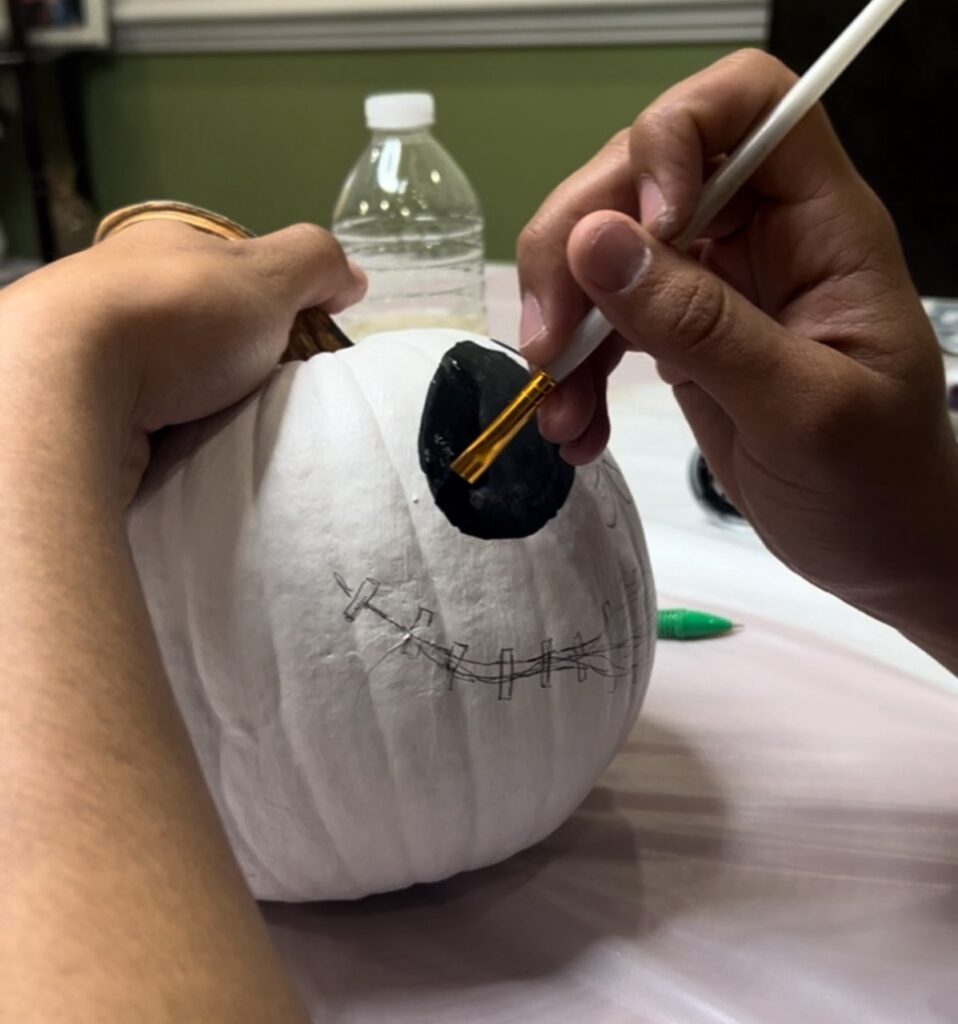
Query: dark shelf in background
[{"x": 19, "y": 58}]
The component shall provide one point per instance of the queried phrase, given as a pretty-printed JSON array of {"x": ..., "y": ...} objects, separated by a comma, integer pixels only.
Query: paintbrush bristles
[{"x": 484, "y": 451}]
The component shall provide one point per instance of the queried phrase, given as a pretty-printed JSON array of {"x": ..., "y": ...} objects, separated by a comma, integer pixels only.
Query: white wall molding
[{"x": 198, "y": 26}]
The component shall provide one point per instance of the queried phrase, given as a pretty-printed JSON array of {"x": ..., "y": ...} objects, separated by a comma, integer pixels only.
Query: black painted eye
[{"x": 527, "y": 484}]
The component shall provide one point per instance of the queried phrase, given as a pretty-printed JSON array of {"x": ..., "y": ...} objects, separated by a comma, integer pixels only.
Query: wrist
[
  {"x": 66, "y": 407},
  {"x": 926, "y": 612},
  {"x": 923, "y": 604}
]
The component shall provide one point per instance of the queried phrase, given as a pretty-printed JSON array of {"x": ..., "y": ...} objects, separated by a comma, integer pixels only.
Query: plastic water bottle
[{"x": 409, "y": 217}]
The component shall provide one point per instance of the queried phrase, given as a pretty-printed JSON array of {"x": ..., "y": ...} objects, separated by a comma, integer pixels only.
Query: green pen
[{"x": 686, "y": 624}]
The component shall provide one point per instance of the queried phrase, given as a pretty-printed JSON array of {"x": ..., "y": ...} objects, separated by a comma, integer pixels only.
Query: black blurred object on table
[{"x": 708, "y": 492}]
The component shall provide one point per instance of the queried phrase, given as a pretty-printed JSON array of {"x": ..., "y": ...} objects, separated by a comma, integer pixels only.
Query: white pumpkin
[{"x": 376, "y": 697}]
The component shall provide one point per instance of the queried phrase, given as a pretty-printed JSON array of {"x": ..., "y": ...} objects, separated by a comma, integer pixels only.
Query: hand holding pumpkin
[
  {"x": 109, "y": 818},
  {"x": 182, "y": 323},
  {"x": 794, "y": 340}
]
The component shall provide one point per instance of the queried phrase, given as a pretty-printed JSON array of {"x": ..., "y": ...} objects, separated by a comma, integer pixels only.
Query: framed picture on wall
[{"x": 61, "y": 24}]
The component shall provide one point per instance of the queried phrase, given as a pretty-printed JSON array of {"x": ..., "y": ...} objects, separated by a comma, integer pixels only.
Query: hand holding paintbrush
[
  {"x": 733, "y": 173},
  {"x": 792, "y": 335}
]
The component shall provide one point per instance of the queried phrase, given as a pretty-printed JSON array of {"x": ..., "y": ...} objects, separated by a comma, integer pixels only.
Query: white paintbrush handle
[
  {"x": 746, "y": 158},
  {"x": 752, "y": 152},
  {"x": 588, "y": 336}
]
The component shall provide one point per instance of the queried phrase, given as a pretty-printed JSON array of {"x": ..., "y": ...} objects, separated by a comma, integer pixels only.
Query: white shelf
[{"x": 183, "y": 26}]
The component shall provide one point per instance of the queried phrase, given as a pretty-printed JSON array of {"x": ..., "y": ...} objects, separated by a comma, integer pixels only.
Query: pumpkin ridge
[
  {"x": 283, "y": 384},
  {"x": 545, "y": 803},
  {"x": 384, "y": 445}
]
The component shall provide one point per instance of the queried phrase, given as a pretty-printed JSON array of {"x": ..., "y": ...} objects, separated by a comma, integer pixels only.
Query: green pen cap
[{"x": 686, "y": 624}]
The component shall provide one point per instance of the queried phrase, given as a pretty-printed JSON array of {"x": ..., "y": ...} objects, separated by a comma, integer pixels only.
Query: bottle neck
[{"x": 405, "y": 134}]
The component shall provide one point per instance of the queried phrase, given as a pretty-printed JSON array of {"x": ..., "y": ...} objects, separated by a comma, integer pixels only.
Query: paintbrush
[{"x": 718, "y": 190}]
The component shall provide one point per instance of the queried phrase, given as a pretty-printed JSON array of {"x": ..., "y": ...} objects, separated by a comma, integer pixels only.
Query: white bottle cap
[{"x": 400, "y": 110}]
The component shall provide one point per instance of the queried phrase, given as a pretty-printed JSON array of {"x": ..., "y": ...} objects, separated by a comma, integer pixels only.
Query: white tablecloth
[{"x": 777, "y": 843}]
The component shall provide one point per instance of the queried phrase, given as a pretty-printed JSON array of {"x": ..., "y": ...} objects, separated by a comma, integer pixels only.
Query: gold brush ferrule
[{"x": 487, "y": 447}]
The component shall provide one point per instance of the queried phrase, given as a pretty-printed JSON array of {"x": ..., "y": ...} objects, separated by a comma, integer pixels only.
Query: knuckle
[
  {"x": 701, "y": 312},
  {"x": 614, "y": 154},
  {"x": 664, "y": 139},
  {"x": 301, "y": 249},
  {"x": 651, "y": 122},
  {"x": 620, "y": 141},
  {"x": 534, "y": 239},
  {"x": 753, "y": 61},
  {"x": 313, "y": 234},
  {"x": 752, "y": 57}
]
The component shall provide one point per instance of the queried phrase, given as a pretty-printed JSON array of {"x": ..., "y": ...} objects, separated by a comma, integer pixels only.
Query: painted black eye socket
[{"x": 527, "y": 484}]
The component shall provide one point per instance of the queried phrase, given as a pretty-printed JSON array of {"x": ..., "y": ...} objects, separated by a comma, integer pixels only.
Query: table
[{"x": 777, "y": 843}]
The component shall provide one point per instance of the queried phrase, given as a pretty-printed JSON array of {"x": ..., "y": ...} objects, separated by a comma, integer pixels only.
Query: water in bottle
[{"x": 409, "y": 217}]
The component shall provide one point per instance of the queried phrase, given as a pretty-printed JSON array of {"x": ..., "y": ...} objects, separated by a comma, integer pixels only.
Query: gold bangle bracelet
[{"x": 313, "y": 330}]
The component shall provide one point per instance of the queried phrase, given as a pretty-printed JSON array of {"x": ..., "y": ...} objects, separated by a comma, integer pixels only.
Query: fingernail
[
  {"x": 531, "y": 324},
  {"x": 617, "y": 257},
  {"x": 655, "y": 210}
]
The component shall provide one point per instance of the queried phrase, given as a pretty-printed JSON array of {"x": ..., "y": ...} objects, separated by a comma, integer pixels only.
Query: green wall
[{"x": 268, "y": 138}]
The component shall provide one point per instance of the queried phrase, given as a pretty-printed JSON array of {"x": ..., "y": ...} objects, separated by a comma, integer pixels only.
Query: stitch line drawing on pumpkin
[
  {"x": 596, "y": 655},
  {"x": 607, "y": 473}
]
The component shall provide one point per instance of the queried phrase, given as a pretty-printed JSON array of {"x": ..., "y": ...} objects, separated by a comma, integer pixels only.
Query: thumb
[{"x": 669, "y": 306}]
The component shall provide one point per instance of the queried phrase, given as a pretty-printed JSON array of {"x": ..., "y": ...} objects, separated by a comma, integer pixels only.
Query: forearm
[{"x": 121, "y": 900}]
